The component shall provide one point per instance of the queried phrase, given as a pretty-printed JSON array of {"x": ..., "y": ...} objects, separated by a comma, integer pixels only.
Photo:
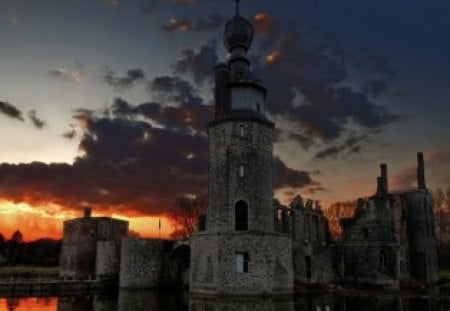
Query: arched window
[{"x": 241, "y": 216}]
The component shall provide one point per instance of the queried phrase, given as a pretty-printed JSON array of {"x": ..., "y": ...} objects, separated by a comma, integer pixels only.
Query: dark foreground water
[{"x": 164, "y": 301}]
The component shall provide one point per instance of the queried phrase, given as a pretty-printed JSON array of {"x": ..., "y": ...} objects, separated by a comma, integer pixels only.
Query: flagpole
[{"x": 159, "y": 228}]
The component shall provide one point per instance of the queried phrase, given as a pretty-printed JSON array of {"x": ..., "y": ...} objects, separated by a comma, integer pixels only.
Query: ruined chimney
[
  {"x": 87, "y": 212},
  {"x": 379, "y": 187},
  {"x": 420, "y": 172},
  {"x": 384, "y": 179}
]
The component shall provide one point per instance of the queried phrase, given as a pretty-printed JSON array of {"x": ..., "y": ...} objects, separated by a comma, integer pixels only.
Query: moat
[{"x": 172, "y": 301}]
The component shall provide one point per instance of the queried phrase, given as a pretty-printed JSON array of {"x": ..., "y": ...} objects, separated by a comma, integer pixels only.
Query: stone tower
[{"x": 239, "y": 251}]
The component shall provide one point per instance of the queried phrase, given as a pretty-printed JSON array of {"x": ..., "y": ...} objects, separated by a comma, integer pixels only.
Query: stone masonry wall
[
  {"x": 141, "y": 263},
  {"x": 108, "y": 260},
  {"x": 270, "y": 267},
  {"x": 228, "y": 150}
]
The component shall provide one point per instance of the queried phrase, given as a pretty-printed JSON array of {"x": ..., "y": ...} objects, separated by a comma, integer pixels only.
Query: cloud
[
  {"x": 288, "y": 177},
  {"x": 308, "y": 73},
  {"x": 37, "y": 122},
  {"x": 174, "y": 24},
  {"x": 131, "y": 77},
  {"x": 436, "y": 165},
  {"x": 112, "y": 3},
  {"x": 203, "y": 24},
  {"x": 213, "y": 21},
  {"x": 174, "y": 90},
  {"x": 375, "y": 87},
  {"x": 198, "y": 63},
  {"x": 66, "y": 75},
  {"x": 134, "y": 159},
  {"x": 10, "y": 111},
  {"x": 350, "y": 145}
]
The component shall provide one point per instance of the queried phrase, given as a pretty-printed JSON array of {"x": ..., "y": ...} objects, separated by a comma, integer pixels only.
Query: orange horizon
[{"x": 47, "y": 222}]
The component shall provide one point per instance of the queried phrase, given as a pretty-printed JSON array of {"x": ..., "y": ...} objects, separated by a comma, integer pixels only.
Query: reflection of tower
[{"x": 239, "y": 250}]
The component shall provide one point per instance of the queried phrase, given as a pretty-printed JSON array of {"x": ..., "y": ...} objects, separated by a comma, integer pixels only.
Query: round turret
[{"x": 238, "y": 32}]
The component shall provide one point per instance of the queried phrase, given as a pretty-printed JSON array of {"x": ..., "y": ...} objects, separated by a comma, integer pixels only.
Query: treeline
[{"x": 16, "y": 252}]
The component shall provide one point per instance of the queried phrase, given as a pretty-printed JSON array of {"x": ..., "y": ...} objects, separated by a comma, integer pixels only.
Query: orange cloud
[
  {"x": 273, "y": 57},
  {"x": 263, "y": 24}
]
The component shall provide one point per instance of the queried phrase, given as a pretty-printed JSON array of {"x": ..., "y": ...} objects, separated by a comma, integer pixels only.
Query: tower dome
[{"x": 238, "y": 32}]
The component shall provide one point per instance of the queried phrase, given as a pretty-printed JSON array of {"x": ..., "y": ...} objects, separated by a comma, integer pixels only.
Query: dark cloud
[
  {"x": 37, "y": 122},
  {"x": 198, "y": 63},
  {"x": 174, "y": 90},
  {"x": 203, "y": 24},
  {"x": 128, "y": 163},
  {"x": 174, "y": 24},
  {"x": 375, "y": 87},
  {"x": 211, "y": 22},
  {"x": 131, "y": 77},
  {"x": 307, "y": 71},
  {"x": 304, "y": 140},
  {"x": 10, "y": 111},
  {"x": 284, "y": 176},
  {"x": 350, "y": 145}
]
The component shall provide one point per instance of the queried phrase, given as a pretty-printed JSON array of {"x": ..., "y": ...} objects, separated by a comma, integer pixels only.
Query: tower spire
[{"x": 237, "y": 7}]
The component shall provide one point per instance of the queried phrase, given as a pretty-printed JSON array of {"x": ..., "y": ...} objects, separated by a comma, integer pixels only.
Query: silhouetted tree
[
  {"x": 17, "y": 237},
  {"x": 185, "y": 215},
  {"x": 447, "y": 199}
]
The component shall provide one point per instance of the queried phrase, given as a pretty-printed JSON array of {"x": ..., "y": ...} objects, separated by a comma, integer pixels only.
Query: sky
[{"x": 104, "y": 102}]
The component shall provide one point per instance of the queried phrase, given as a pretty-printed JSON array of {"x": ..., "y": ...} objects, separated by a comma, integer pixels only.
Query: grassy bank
[{"x": 28, "y": 272}]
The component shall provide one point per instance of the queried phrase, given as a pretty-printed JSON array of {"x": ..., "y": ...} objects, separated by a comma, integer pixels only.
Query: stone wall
[
  {"x": 228, "y": 150},
  {"x": 141, "y": 263},
  {"x": 79, "y": 245},
  {"x": 424, "y": 264},
  {"x": 213, "y": 263},
  {"x": 108, "y": 260}
]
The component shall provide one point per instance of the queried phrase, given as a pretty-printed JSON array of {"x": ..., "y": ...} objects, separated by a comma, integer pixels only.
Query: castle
[{"x": 250, "y": 244}]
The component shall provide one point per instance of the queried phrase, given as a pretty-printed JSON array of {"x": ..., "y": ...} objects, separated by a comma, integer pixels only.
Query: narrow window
[
  {"x": 382, "y": 259},
  {"x": 366, "y": 233},
  {"x": 242, "y": 130},
  {"x": 258, "y": 108},
  {"x": 241, "y": 262},
  {"x": 241, "y": 170},
  {"x": 241, "y": 216}
]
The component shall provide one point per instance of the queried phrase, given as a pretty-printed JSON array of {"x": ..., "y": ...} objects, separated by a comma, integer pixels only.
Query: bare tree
[{"x": 185, "y": 215}]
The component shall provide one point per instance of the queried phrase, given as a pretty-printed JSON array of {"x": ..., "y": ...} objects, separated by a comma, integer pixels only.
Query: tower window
[
  {"x": 241, "y": 130},
  {"x": 241, "y": 216},
  {"x": 241, "y": 170},
  {"x": 258, "y": 108},
  {"x": 241, "y": 262}
]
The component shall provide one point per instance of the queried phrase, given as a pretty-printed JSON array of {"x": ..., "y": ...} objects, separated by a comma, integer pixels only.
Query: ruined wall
[
  {"x": 213, "y": 266},
  {"x": 313, "y": 265},
  {"x": 371, "y": 252},
  {"x": 423, "y": 254},
  {"x": 141, "y": 263}
]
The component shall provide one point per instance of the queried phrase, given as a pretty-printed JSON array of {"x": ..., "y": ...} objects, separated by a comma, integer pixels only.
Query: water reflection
[
  {"x": 241, "y": 304},
  {"x": 172, "y": 301}
]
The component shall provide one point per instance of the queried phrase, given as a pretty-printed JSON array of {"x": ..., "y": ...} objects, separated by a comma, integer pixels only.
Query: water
[{"x": 150, "y": 301}]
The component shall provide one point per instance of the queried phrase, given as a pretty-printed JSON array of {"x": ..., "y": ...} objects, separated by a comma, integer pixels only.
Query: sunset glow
[{"x": 36, "y": 222}]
